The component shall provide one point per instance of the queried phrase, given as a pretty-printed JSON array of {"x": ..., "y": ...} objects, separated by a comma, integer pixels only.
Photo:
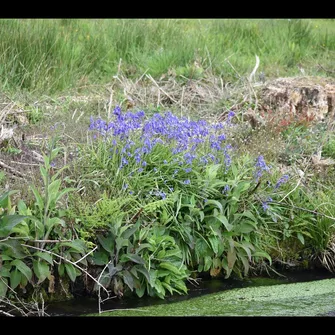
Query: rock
[{"x": 310, "y": 97}]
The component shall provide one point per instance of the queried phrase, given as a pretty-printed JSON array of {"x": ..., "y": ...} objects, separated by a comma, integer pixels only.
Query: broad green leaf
[
  {"x": 22, "y": 208},
  {"x": 22, "y": 230},
  {"x": 301, "y": 238},
  {"x": 249, "y": 215},
  {"x": 53, "y": 190},
  {"x": 38, "y": 198},
  {"x": 180, "y": 286},
  {"x": 130, "y": 231},
  {"x": 244, "y": 245},
  {"x": 5, "y": 200},
  {"x": 41, "y": 270},
  {"x": 3, "y": 287},
  {"x": 208, "y": 263},
  {"x": 231, "y": 258},
  {"x": 163, "y": 273},
  {"x": 168, "y": 287},
  {"x": 140, "y": 291},
  {"x": 262, "y": 254},
  {"x": 144, "y": 271},
  {"x": 121, "y": 242},
  {"x": 5, "y": 258},
  {"x": 77, "y": 245},
  {"x": 201, "y": 247},
  {"x": 216, "y": 203},
  {"x": 63, "y": 192},
  {"x": 135, "y": 258},
  {"x": 213, "y": 240},
  {"x": 159, "y": 288},
  {"x": 128, "y": 279},
  {"x": 226, "y": 267},
  {"x": 8, "y": 222},
  {"x": 53, "y": 222},
  {"x": 100, "y": 258},
  {"x": 12, "y": 248},
  {"x": 161, "y": 254},
  {"x": 107, "y": 242},
  {"x": 170, "y": 267},
  {"x": 114, "y": 269},
  {"x": 23, "y": 268},
  {"x": 15, "y": 278},
  {"x": 241, "y": 187},
  {"x": 245, "y": 263},
  {"x": 61, "y": 269},
  {"x": 45, "y": 256},
  {"x": 71, "y": 271},
  {"x": 244, "y": 228},
  {"x": 225, "y": 222}
]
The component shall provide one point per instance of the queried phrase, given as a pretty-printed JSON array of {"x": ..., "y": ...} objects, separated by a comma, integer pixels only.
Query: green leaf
[
  {"x": 63, "y": 192},
  {"x": 121, "y": 242},
  {"x": 53, "y": 190},
  {"x": 128, "y": 279},
  {"x": 144, "y": 271},
  {"x": 5, "y": 258},
  {"x": 3, "y": 287},
  {"x": 61, "y": 269},
  {"x": 249, "y": 215},
  {"x": 168, "y": 287},
  {"x": 71, "y": 271},
  {"x": 245, "y": 263},
  {"x": 301, "y": 238},
  {"x": 15, "y": 278},
  {"x": 231, "y": 258},
  {"x": 135, "y": 258},
  {"x": 41, "y": 270},
  {"x": 140, "y": 291},
  {"x": 225, "y": 222},
  {"x": 244, "y": 228},
  {"x": 114, "y": 269},
  {"x": 170, "y": 267},
  {"x": 216, "y": 203},
  {"x": 100, "y": 258},
  {"x": 23, "y": 268},
  {"x": 213, "y": 240},
  {"x": 262, "y": 254},
  {"x": 8, "y": 222},
  {"x": 77, "y": 245},
  {"x": 130, "y": 231},
  {"x": 107, "y": 242},
  {"x": 4, "y": 199},
  {"x": 44, "y": 255},
  {"x": 208, "y": 263},
  {"x": 38, "y": 198}
]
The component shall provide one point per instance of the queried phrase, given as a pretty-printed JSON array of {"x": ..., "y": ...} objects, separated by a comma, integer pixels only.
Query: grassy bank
[
  {"x": 48, "y": 56},
  {"x": 135, "y": 199}
]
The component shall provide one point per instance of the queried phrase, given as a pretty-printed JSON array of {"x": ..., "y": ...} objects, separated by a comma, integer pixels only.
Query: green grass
[{"x": 51, "y": 55}]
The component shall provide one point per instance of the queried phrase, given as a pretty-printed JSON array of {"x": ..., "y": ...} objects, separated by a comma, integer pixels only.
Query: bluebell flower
[
  {"x": 282, "y": 180},
  {"x": 187, "y": 182},
  {"x": 188, "y": 170},
  {"x": 226, "y": 189},
  {"x": 260, "y": 167},
  {"x": 265, "y": 204}
]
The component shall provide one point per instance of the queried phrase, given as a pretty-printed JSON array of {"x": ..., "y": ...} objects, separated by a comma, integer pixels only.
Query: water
[{"x": 85, "y": 305}]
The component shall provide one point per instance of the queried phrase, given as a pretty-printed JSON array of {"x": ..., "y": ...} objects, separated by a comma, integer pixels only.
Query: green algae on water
[{"x": 297, "y": 299}]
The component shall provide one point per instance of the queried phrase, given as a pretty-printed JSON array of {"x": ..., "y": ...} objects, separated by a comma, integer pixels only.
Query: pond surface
[{"x": 84, "y": 305}]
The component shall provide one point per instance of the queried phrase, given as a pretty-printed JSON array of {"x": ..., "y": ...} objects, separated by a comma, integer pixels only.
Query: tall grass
[{"x": 52, "y": 55}]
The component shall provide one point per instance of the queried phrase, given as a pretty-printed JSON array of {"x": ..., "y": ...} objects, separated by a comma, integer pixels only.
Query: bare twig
[
  {"x": 12, "y": 170},
  {"x": 168, "y": 95}
]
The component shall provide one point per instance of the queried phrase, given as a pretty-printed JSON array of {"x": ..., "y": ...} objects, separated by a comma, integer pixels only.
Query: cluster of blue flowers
[{"x": 182, "y": 135}]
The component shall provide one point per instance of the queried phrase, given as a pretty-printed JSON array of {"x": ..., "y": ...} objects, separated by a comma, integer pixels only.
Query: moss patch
[{"x": 298, "y": 299}]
